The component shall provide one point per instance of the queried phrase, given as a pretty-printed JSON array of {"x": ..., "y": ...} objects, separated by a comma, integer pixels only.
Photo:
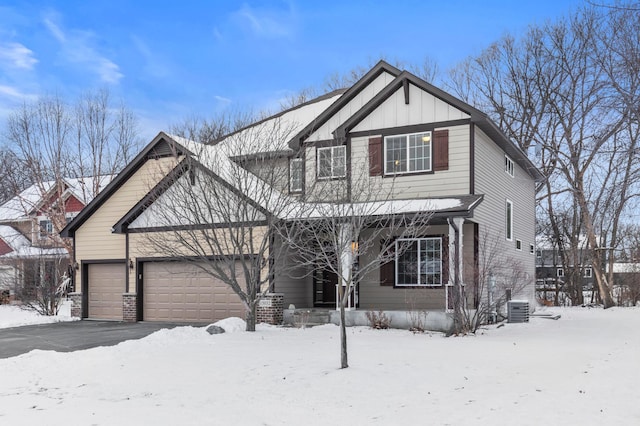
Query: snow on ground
[
  {"x": 15, "y": 316},
  {"x": 579, "y": 370}
]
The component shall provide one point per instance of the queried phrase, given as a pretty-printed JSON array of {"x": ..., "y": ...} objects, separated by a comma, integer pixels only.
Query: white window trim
[
  {"x": 588, "y": 272},
  {"x": 331, "y": 149},
  {"x": 560, "y": 272},
  {"x": 408, "y": 172},
  {"x": 291, "y": 162},
  {"x": 396, "y": 262},
  {"x": 518, "y": 243},
  {"x": 42, "y": 235},
  {"x": 532, "y": 249},
  {"x": 508, "y": 231},
  {"x": 509, "y": 166}
]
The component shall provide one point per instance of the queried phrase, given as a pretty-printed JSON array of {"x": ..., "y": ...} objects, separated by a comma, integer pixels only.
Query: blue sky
[{"x": 169, "y": 60}]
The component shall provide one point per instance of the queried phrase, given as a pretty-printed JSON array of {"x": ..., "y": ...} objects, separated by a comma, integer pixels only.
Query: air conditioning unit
[{"x": 518, "y": 311}]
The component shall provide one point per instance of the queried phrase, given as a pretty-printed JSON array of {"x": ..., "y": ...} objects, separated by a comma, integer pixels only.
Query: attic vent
[{"x": 518, "y": 311}]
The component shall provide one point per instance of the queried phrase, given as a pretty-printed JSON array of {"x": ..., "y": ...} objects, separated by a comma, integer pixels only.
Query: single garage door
[
  {"x": 178, "y": 291},
  {"x": 106, "y": 286}
]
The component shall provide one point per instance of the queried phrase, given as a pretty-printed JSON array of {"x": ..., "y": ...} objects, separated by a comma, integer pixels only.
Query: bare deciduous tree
[
  {"x": 52, "y": 141},
  {"x": 567, "y": 93},
  {"x": 218, "y": 209},
  {"x": 350, "y": 228}
]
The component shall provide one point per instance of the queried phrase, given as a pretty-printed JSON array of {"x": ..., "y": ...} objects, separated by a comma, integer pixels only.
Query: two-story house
[
  {"x": 31, "y": 250},
  {"x": 420, "y": 145}
]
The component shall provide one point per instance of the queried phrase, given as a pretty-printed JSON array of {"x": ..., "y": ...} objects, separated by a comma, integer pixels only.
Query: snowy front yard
[
  {"x": 582, "y": 369},
  {"x": 14, "y": 316}
]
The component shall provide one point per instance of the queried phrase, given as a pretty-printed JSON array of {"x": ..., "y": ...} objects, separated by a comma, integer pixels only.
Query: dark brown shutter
[
  {"x": 388, "y": 270},
  {"x": 375, "y": 156},
  {"x": 445, "y": 260},
  {"x": 440, "y": 150}
]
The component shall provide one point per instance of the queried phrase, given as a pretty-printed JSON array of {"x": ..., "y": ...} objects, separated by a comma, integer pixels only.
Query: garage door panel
[
  {"x": 179, "y": 291},
  {"x": 106, "y": 284}
]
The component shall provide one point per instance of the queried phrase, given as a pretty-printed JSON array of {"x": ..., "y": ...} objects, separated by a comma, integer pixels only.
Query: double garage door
[{"x": 171, "y": 291}]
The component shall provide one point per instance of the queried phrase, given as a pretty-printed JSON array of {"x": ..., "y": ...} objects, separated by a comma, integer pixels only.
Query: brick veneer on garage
[
  {"x": 271, "y": 312},
  {"x": 129, "y": 307},
  {"x": 76, "y": 304}
]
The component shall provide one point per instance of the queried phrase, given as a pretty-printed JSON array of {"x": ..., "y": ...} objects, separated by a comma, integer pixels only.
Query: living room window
[
  {"x": 295, "y": 175},
  {"x": 419, "y": 262},
  {"x": 332, "y": 162},
  {"x": 409, "y": 153}
]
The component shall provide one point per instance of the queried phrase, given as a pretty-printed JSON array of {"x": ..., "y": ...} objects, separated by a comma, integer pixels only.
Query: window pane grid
[
  {"x": 408, "y": 153},
  {"x": 332, "y": 162},
  {"x": 420, "y": 264}
]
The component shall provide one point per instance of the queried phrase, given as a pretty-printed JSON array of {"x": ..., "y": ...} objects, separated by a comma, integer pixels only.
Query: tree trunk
[
  {"x": 344, "y": 363},
  {"x": 251, "y": 316}
]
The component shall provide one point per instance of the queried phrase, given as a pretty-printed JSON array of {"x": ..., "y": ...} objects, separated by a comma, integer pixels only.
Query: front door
[{"x": 325, "y": 283}]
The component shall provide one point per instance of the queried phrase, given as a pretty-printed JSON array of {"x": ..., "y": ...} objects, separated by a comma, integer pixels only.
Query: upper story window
[
  {"x": 509, "y": 220},
  {"x": 420, "y": 264},
  {"x": 588, "y": 272},
  {"x": 508, "y": 166},
  {"x": 332, "y": 162},
  {"x": 45, "y": 229},
  {"x": 295, "y": 175},
  {"x": 408, "y": 153}
]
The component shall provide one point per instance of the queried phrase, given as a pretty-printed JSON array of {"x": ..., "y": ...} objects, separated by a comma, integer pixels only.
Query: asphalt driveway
[{"x": 75, "y": 335}]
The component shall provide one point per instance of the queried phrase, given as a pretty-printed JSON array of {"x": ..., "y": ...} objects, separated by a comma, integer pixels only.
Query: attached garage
[
  {"x": 105, "y": 286},
  {"x": 179, "y": 291}
]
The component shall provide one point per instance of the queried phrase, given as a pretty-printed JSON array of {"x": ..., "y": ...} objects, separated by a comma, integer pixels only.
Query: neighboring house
[
  {"x": 626, "y": 283},
  {"x": 554, "y": 278},
  {"x": 440, "y": 152},
  {"x": 30, "y": 249}
]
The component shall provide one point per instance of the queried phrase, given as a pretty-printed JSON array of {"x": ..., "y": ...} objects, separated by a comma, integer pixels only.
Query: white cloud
[
  {"x": 222, "y": 99},
  {"x": 267, "y": 23},
  {"x": 14, "y": 93},
  {"x": 77, "y": 48},
  {"x": 17, "y": 55}
]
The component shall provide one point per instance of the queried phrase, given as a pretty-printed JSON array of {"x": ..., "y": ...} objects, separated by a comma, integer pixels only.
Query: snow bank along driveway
[{"x": 579, "y": 370}]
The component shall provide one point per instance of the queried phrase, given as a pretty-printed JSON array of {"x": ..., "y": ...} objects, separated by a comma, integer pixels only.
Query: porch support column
[
  {"x": 456, "y": 260},
  {"x": 346, "y": 263}
]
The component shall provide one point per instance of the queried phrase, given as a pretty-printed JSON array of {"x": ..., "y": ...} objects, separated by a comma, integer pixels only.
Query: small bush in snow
[{"x": 378, "y": 320}]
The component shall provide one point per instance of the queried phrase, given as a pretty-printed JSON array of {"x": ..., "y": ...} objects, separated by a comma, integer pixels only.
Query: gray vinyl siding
[
  {"x": 274, "y": 171},
  {"x": 451, "y": 182},
  {"x": 294, "y": 281},
  {"x": 374, "y": 296},
  {"x": 497, "y": 186}
]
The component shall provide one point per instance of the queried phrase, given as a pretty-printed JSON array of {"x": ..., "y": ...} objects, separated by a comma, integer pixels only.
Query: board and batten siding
[
  {"x": 94, "y": 239},
  {"x": 367, "y": 93},
  {"x": 498, "y": 186},
  {"x": 423, "y": 107},
  {"x": 451, "y": 182}
]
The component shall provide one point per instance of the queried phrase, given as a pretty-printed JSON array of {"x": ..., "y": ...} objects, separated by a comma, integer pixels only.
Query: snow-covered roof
[
  {"x": 274, "y": 133},
  {"x": 20, "y": 206},
  {"x": 13, "y": 237},
  {"x": 36, "y": 253}
]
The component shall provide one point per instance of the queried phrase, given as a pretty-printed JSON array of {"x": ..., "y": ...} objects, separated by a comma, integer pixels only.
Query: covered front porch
[{"x": 413, "y": 291}]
